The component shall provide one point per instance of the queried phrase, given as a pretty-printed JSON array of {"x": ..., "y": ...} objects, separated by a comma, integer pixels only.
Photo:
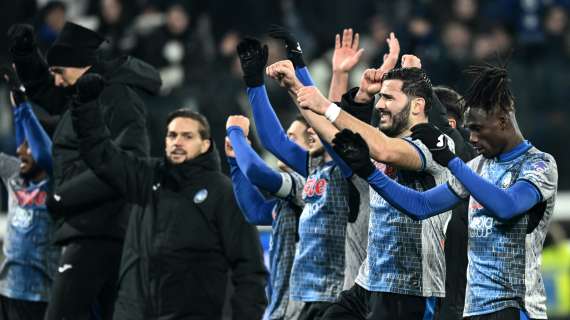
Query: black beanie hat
[{"x": 75, "y": 46}]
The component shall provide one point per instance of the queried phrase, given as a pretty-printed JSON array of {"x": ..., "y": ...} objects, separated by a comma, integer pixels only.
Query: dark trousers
[
  {"x": 505, "y": 314},
  {"x": 313, "y": 310},
  {"x": 14, "y": 309},
  {"x": 85, "y": 286},
  {"x": 358, "y": 303},
  {"x": 456, "y": 264}
]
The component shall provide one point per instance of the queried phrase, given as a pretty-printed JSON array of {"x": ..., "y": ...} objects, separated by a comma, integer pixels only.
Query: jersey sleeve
[
  {"x": 292, "y": 188},
  {"x": 429, "y": 165},
  {"x": 541, "y": 170}
]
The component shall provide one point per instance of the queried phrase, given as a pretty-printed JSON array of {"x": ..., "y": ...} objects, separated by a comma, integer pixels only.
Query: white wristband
[{"x": 332, "y": 112}]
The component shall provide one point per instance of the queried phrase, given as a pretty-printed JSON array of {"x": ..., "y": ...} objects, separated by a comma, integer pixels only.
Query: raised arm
[
  {"x": 272, "y": 135},
  {"x": 40, "y": 144},
  {"x": 130, "y": 175},
  {"x": 393, "y": 151},
  {"x": 256, "y": 209},
  {"x": 26, "y": 125},
  {"x": 249, "y": 162},
  {"x": 346, "y": 56},
  {"x": 33, "y": 70}
]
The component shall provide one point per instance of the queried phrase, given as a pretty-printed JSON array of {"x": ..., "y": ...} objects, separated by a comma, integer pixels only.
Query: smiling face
[
  {"x": 316, "y": 148},
  {"x": 184, "y": 141},
  {"x": 394, "y": 108},
  {"x": 24, "y": 153}
]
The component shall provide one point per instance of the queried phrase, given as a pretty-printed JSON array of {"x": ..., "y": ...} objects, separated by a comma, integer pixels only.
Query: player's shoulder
[
  {"x": 539, "y": 161},
  {"x": 535, "y": 154}
]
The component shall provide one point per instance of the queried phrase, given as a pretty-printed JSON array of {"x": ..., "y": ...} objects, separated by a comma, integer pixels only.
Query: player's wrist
[
  {"x": 332, "y": 112},
  {"x": 362, "y": 97}
]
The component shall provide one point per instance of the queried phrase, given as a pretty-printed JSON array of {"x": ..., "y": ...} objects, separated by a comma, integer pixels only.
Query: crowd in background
[{"x": 193, "y": 44}]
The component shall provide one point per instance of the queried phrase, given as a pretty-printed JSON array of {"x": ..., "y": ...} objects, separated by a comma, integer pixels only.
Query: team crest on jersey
[
  {"x": 506, "y": 180},
  {"x": 22, "y": 219},
  {"x": 200, "y": 196}
]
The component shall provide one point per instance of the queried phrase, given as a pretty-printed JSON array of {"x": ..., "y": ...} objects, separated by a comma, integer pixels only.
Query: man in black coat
[
  {"x": 92, "y": 216},
  {"x": 185, "y": 230}
]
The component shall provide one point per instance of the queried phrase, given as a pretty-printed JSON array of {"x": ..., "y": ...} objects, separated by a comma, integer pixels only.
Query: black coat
[
  {"x": 185, "y": 233},
  {"x": 89, "y": 207}
]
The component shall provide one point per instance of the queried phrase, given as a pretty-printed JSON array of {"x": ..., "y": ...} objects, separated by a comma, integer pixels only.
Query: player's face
[
  {"x": 316, "y": 147},
  {"x": 485, "y": 132},
  {"x": 394, "y": 108},
  {"x": 27, "y": 162},
  {"x": 183, "y": 140},
  {"x": 65, "y": 76},
  {"x": 297, "y": 133}
]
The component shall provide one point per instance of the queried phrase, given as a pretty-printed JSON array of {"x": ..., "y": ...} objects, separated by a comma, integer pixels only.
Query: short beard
[{"x": 400, "y": 121}]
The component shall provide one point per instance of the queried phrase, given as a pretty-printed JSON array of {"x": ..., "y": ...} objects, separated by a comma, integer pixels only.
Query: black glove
[
  {"x": 9, "y": 75},
  {"x": 22, "y": 40},
  {"x": 435, "y": 140},
  {"x": 253, "y": 58},
  {"x": 89, "y": 86},
  {"x": 354, "y": 151},
  {"x": 294, "y": 52},
  {"x": 54, "y": 205}
]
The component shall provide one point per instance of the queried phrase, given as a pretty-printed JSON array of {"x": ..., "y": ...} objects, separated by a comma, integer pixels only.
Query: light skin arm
[
  {"x": 284, "y": 72},
  {"x": 345, "y": 57},
  {"x": 393, "y": 151}
]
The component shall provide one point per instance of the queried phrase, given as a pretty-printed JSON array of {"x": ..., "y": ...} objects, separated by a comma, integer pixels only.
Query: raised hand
[
  {"x": 354, "y": 151},
  {"x": 292, "y": 45},
  {"x": 18, "y": 93},
  {"x": 21, "y": 39},
  {"x": 253, "y": 58},
  {"x": 370, "y": 85},
  {"x": 411, "y": 61},
  {"x": 284, "y": 72},
  {"x": 89, "y": 87},
  {"x": 435, "y": 140},
  {"x": 346, "y": 53},
  {"x": 311, "y": 98},
  {"x": 391, "y": 58},
  {"x": 239, "y": 121}
]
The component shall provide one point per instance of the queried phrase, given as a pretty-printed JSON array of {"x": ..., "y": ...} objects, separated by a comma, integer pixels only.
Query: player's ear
[{"x": 418, "y": 106}]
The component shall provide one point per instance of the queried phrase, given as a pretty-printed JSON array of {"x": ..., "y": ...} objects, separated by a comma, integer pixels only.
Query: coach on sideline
[{"x": 185, "y": 229}]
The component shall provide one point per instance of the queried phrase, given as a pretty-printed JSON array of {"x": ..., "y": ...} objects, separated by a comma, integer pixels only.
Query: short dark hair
[
  {"x": 452, "y": 101},
  {"x": 300, "y": 118},
  {"x": 204, "y": 129},
  {"x": 416, "y": 83},
  {"x": 490, "y": 89}
]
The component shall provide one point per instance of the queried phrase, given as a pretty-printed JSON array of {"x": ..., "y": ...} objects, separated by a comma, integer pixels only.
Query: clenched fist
[
  {"x": 238, "y": 121},
  {"x": 284, "y": 72}
]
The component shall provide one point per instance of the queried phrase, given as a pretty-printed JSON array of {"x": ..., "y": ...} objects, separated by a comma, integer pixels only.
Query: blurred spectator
[
  {"x": 114, "y": 23},
  {"x": 51, "y": 19},
  {"x": 556, "y": 29},
  {"x": 173, "y": 49}
]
